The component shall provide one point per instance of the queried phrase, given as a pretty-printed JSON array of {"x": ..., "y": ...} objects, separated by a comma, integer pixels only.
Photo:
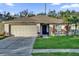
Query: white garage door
[{"x": 24, "y": 30}]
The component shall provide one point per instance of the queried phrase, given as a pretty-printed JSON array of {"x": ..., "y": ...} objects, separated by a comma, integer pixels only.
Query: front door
[{"x": 44, "y": 29}]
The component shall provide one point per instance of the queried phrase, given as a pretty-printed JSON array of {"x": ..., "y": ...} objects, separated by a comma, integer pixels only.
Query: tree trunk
[
  {"x": 75, "y": 29},
  {"x": 67, "y": 29}
]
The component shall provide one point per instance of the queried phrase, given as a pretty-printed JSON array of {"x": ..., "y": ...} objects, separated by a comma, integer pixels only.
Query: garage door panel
[{"x": 24, "y": 30}]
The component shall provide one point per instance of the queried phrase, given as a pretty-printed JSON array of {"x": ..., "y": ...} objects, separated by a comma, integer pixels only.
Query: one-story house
[{"x": 34, "y": 26}]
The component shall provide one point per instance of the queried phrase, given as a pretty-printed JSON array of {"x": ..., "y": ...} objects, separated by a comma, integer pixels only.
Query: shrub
[{"x": 2, "y": 33}]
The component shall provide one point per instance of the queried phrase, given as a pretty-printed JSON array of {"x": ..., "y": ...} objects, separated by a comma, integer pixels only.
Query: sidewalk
[{"x": 55, "y": 50}]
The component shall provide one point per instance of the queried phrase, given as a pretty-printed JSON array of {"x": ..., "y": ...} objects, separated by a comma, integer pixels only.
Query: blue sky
[{"x": 37, "y": 7}]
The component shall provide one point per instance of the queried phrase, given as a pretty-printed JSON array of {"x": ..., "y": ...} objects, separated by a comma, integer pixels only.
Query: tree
[
  {"x": 52, "y": 13},
  {"x": 41, "y": 13},
  {"x": 16, "y": 15},
  {"x": 1, "y": 16},
  {"x": 7, "y": 16},
  {"x": 31, "y": 14},
  {"x": 74, "y": 20},
  {"x": 24, "y": 13},
  {"x": 65, "y": 14}
]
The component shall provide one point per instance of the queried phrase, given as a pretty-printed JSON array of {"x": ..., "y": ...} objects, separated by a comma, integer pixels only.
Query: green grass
[
  {"x": 56, "y": 54},
  {"x": 57, "y": 42}
]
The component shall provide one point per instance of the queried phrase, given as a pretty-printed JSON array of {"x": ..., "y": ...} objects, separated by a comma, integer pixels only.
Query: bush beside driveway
[{"x": 2, "y": 37}]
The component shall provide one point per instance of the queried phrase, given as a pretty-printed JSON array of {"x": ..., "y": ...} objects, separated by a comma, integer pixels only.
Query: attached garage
[
  {"x": 24, "y": 30},
  {"x": 21, "y": 27}
]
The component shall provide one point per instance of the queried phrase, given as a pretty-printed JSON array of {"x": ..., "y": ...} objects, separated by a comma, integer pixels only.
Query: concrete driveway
[{"x": 16, "y": 46}]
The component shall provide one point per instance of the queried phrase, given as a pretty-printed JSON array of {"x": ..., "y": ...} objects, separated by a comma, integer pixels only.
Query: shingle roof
[
  {"x": 36, "y": 19},
  {"x": 47, "y": 19}
]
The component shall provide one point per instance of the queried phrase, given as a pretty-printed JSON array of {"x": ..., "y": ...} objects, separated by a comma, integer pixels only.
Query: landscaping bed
[
  {"x": 59, "y": 42},
  {"x": 56, "y": 54},
  {"x": 2, "y": 37}
]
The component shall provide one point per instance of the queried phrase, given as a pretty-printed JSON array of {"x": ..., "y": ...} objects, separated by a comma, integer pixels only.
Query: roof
[
  {"x": 47, "y": 19},
  {"x": 36, "y": 19}
]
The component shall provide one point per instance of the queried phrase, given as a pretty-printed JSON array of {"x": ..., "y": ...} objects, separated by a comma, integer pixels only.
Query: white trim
[
  {"x": 6, "y": 29},
  {"x": 50, "y": 29}
]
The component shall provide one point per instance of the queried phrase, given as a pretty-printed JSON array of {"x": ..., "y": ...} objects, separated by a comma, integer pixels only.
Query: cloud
[
  {"x": 12, "y": 13},
  {"x": 70, "y": 6},
  {"x": 9, "y": 4},
  {"x": 55, "y": 3}
]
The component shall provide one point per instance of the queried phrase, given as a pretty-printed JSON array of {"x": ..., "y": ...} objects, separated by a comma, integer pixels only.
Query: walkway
[{"x": 55, "y": 50}]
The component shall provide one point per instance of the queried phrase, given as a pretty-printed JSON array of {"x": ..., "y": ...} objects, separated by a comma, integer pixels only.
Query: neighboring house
[{"x": 34, "y": 26}]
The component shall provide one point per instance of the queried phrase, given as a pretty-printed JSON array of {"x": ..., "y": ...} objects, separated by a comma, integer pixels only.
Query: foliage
[
  {"x": 7, "y": 16},
  {"x": 31, "y": 14},
  {"x": 41, "y": 14},
  {"x": 65, "y": 15},
  {"x": 23, "y": 13},
  {"x": 74, "y": 20},
  {"x": 2, "y": 33},
  {"x": 52, "y": 13}
]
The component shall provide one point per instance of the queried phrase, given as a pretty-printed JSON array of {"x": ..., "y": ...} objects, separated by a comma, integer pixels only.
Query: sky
[{"x": 15, "y": 8}]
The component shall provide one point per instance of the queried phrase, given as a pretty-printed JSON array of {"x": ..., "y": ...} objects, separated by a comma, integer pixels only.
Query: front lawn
[
  {"x": 56, "y": 54},
  {"x": 57, "y": 42}
]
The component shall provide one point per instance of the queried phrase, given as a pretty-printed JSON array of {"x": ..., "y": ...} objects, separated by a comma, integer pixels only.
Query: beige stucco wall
[
  {"x": 38, "y": 27},
  {"x": 58, "y": 27},
  {"x": 50, "y": 29},
  {"x": 1, "y": 28}
]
